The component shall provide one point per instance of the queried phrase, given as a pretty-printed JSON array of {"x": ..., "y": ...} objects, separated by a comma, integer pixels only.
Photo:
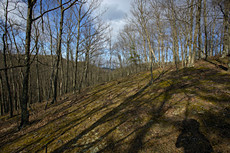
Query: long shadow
[
  {"x": 212, "y": 121},
  {"x": 212, "y": 86},
  {"x": 196, "y": 80},
  {"x": 72, "y": 123},
  {"x": 113, "y": 146},
  {"x": 216, "y": 123},
  {"x": 179, "y": 86},
  {"x": 88, "y": 146},
  {"x": 138, "y": 142},
  {"x": 59, "y": 132},
  {"x": 78, "y": 100},
  {"x": 11, "y": 131},
  {"x": 56, "y": 119},
  {"x": 105, "y": 118},
  {"x": 218, "y": 65},
  {"x": 37, "y": 129},
  {"x": 35, "y": 122}
]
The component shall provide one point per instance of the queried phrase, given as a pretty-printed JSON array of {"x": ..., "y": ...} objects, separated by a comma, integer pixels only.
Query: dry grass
[{"x": 130, "y": 116}]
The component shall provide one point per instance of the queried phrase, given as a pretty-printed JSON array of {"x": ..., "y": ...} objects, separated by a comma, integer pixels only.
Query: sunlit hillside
[{"x": 130, "y": 114}]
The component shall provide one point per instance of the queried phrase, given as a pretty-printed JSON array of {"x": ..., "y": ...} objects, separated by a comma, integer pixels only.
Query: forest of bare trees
[
  {"x": 181, "y": 31},
  {"x": 54, "y": 47}
]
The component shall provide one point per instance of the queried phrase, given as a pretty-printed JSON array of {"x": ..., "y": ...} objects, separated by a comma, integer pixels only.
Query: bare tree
[
  {"x": 83, "y": 17},
  {"x": 59, "y": 46},
  {"x": 142, "y": 14},
  {"x": 30, "y": 20},
  {"x": 5, "y": 50}
]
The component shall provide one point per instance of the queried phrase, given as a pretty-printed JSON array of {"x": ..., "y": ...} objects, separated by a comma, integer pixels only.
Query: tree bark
[
  {"x": 205, "y": 31},
  {"x": 6, "y": 76},
  {"x": 67, "y": 67},
  {"x": 199, "y": 29},
  {"x": 51, "y": 88},
  {"x": 226, "y": 12},
  {"x": 1, "y": 95},
  {"x": 77, "y": 49},
  {"x": 196, "y": 31},
  {"x": 58, "y": 54},
  {"x": 5, "y": 49},
  {"x": 212, "y": 37},
  {"x": 38, "y": 82},
  {"x": 86, "y": 67},
  {"x": 25, "y": 96},
  {"x": 190, "y": 34}
]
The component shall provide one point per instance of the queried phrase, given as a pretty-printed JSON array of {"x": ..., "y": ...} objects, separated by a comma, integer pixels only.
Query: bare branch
[{"x": 55, "y": 9}]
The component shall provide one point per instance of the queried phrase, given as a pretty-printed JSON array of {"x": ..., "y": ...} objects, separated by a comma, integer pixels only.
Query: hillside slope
[{"x": 129, "y": 115}]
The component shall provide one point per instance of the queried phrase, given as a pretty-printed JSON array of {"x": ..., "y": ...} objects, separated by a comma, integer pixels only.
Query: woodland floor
[{"x": 130, "y": 114}]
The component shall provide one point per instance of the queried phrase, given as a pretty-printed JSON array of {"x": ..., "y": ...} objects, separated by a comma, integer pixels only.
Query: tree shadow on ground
[
  {"x": 190, "y": 83},
  {"x": 220, "y": 66},
  {"x": 115, "y": 113},
  {"x": 157, "y": 113},
  {"x": 185, "y": 81},
  {"x": 207, "y": 84},
  {"x": 54, "y": 117},
  {"x": 211, "y": 105},
  {"x": 216, "y": 123}
]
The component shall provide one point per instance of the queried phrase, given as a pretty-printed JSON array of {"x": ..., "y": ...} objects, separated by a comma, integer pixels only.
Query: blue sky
[{"x": 117, "y": 10}]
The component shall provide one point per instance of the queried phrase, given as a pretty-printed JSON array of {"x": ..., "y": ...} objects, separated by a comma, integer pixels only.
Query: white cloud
[
  {"x": 123, "y": 5},
  {"x": 16, "y": 11},
  {"x": 114, "y": 13},
  {"x": 117, "y": 10}
]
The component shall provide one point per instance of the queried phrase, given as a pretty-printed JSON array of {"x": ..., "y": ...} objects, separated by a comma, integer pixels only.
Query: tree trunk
[
  {"x": 205, "y": 31},
  {"x": 5, "y": 49},
  {"x": 6, "y": 74},
  {"x": 72, "y": 70},
  {"x": 186, "y": 47},
  {"x": 25, "y": 96},
  {"x": 151, "y": 66},
  {"x": 30, "y": 91},
  {"x": 199, "y": 28},
  {"x": 1, "y": 95},
  {"x": 145, "y": 51},
  {"x": 190, "y": 34},
  {"x": 58, "y": 54},
  {"x": 85, "y": 69},
  {"x": 20, "y": 76},
  {"x": 226, "y": 27},
  {"x": 212, "y": 38},
  {"x": 196, "y": 31},
  {"x": 159, "y": 49},
  {"x": 182, "y": 51},
  {"x": 38, "y": 82},
  {"x": 163, "y": 52},
  {"x": 62, "y": 78},
  {"x": 77, "y": 48},
  {"x": 174, "y": 35},
  {"x": 67, "y": 67}
]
